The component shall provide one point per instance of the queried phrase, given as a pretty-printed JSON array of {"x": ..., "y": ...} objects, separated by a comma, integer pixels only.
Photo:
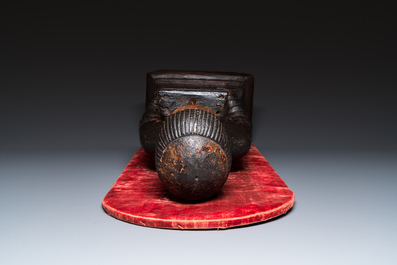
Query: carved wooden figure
[
  {"x": 196, "y": 124},
  {"x": 195, "y": 135}
]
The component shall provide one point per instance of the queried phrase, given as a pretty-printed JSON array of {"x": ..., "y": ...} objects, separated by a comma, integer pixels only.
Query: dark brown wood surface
[{"x": 201, "y": 79}]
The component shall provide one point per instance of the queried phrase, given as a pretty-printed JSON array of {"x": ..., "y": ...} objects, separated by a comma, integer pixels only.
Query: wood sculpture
[{"x": 197, "y": 168}]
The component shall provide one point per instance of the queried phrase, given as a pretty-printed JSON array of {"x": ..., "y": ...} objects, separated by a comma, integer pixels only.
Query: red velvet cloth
[{"x": 253, "y": 193}]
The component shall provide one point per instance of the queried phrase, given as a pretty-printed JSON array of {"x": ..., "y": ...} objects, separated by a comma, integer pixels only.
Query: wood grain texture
[{"x": 253, "y": 193}]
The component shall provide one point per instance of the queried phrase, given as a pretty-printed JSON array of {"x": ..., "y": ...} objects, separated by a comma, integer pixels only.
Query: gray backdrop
[{"x": 73, "y": 90}]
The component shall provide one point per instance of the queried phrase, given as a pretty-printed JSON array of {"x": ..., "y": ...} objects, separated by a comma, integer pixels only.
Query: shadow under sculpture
[{"x": 196, "y": 124}]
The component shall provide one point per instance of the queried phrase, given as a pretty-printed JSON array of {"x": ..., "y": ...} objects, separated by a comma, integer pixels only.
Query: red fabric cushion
[{"x": 253, "y": 193}]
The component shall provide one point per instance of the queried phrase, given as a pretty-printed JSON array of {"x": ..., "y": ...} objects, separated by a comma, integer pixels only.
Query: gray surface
[
  {"x": 73, "y": 84},
  {"x": 344, "y": 213}
]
